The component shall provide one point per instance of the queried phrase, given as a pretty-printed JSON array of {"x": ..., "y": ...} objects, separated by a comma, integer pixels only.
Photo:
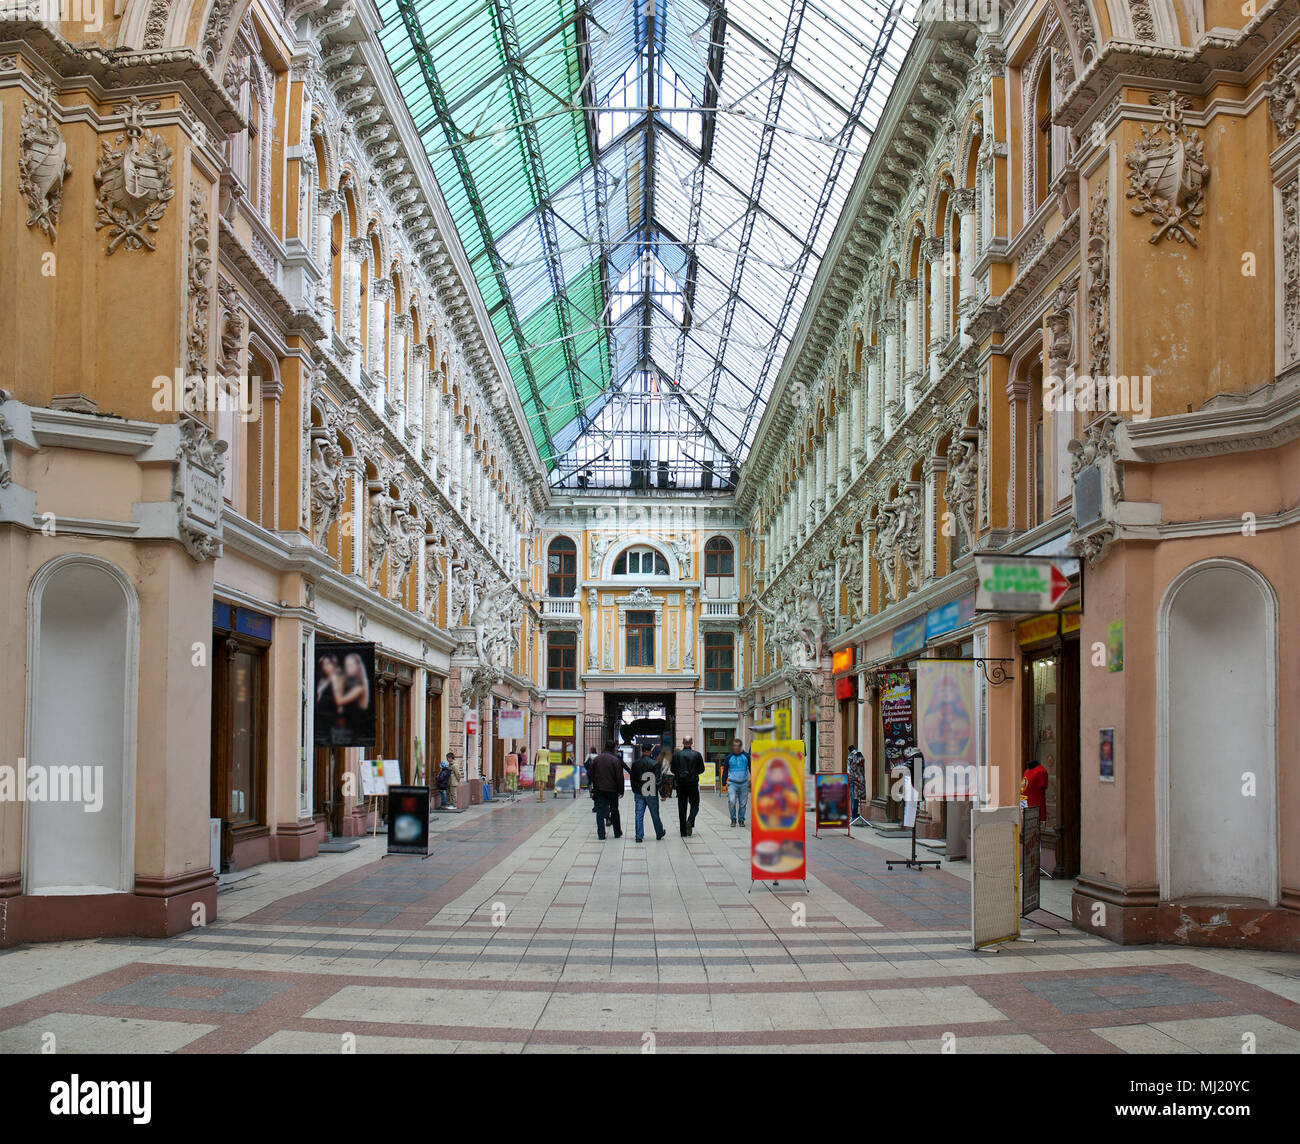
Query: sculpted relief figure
[
  {"x": 962, "y": 486},
  {"x": 381, "y": 533},
  {"x": 326, "y": 485}
]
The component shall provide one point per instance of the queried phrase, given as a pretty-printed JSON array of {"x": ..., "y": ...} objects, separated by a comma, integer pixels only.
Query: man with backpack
[
  {"x": 443, "y": 781},
  {"x": 688, "y": 765},
  {"x": 646, "y": 776},
  {"x": 737, "y": 766}
]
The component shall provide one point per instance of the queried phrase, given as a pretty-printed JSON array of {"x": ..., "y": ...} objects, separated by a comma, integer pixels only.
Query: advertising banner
[
  {"x": 945, "y": 704},
  {"x": 832, "y": 802},
  {"x": 526, "y": 776},
  {"x": 777, "y": 836},
  {"x": 896, "y": 716},
  {"x": 345, "y": 695},
  {"x": 408, "y": 820}
]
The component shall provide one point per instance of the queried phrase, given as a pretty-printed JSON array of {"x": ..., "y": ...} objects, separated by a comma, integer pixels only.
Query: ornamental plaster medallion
[{"x": 134, "y": 180}]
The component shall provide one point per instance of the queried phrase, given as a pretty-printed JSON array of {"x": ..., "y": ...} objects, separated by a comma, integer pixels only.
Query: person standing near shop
[
  {"x": 857, "y": 780},
  {"x": 607, "y": 788},
  {"x": 541, "y": 771},
  {"x": 736, "y": 765},
  {"x": 454, "y": 776},
  {"x": 688, "y": 765},
  {"x": 646, "y": 776}
]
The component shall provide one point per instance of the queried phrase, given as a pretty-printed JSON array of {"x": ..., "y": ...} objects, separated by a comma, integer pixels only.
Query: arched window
[
  {"x": 640, "y": 562},
  {"x": 719, "y": 567},
  {"x": 1043, "y": 137},
  {"x": 561, "y": 568}
]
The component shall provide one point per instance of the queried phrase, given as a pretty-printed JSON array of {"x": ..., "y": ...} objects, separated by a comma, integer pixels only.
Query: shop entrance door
[{"x": 1051, "y": 736}]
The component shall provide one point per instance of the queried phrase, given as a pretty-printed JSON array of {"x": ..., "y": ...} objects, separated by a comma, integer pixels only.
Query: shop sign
[
  {"x": 1019, "y": 583},
  {"x": 1115, "y": 645},
  {"x": 953, "y": 615},
  {"x": 1070, "y": 622},
  {"x": 471, "y": 721},
  {"x": 560, "y": 728},
  {"x": 1031, "y": 857},
  {"x": 777, "y": 835},
  {"x": 832, "y": 802},
  {"x": 846, "y": 688},
  {"x": 408, "y": 820},
  {"x": 510, "y": 723},
  {"x": 842, "y": 660},
  {"x": 909, "y": 637},
  {"x": 1039, "y": 628}
]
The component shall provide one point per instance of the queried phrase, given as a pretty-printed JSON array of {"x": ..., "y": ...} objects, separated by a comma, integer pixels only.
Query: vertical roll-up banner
[
  {"x": 945, "y": 728},
  {"x": 777, "y": 837}
]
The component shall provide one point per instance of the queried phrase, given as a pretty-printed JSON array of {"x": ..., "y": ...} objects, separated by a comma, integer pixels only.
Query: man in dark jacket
[
  {"x": 688, "y": 765},
  {"x": 645, "y": 793},
  {"x": 607, "y": 786}
]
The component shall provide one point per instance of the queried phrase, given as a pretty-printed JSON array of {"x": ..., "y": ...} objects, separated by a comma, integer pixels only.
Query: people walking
[
  {"x": 688, "y": 765},
  {"x": 607, "y": 786},
  {"x": 646, "y": 776},
  {"x": 737, "y": 767}
]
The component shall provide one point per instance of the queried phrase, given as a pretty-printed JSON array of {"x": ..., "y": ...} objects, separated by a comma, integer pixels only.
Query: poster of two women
[{"x": 345, "y": 695}]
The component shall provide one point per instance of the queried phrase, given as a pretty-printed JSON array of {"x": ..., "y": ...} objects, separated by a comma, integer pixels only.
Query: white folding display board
[{"x": 995, "y": 876}]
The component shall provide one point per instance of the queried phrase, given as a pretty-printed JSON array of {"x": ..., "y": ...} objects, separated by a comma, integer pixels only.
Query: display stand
[{"x": 913, "y": 863}]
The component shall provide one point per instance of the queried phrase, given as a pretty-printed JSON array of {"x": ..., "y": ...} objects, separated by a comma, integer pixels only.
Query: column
[
  {"x": 401, "y": 323},
  {"x": 379, "y": 291},
  {"x": 328, "y": 203},
  {"x": 893, "y": 398},
  {"x": 446, "y": 425},
  {"x": 964, "y": 203},
  {"x": 357, "y": 249},
  {"x": 934, "y": 251},
  {"x": 874, "y": 399},
  {"x": 415, "y": 415},
  {"x": 832, "y": 464},
  {"x": 855, "y": 424},
  {"x": 844, "y": 421}
]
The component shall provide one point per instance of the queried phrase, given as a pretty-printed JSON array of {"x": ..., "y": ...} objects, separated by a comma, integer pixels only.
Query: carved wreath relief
[
  {"x": 1168, "y": 176},
  {"x": 134, "y": 178}
]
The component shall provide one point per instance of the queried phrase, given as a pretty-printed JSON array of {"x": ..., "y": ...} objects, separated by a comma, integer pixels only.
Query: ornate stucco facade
[{"x": 251, "y": 398}]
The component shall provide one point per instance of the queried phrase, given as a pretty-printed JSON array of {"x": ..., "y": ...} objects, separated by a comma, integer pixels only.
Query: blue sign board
[
  {"x": 909, "y": 637},
  {"x": 954, "y": 614}
]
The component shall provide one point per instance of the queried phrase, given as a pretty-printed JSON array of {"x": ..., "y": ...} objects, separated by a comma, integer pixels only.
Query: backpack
[{"x": 444, "y": 778}]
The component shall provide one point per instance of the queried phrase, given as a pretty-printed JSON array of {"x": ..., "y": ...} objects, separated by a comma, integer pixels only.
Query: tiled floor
[{"x": 525, "y": 933}]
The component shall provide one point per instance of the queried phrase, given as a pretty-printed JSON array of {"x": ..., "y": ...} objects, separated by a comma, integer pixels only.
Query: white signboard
[
  {"x": 510, "y": 723},
  {"x": 377, "y": 775},
  {"x": 1020, "y": 583},
  {"x": 995, "y": 876}
]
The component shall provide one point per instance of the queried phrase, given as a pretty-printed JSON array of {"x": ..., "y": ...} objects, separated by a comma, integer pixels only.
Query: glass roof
[{"x": 645, "y": 189}]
